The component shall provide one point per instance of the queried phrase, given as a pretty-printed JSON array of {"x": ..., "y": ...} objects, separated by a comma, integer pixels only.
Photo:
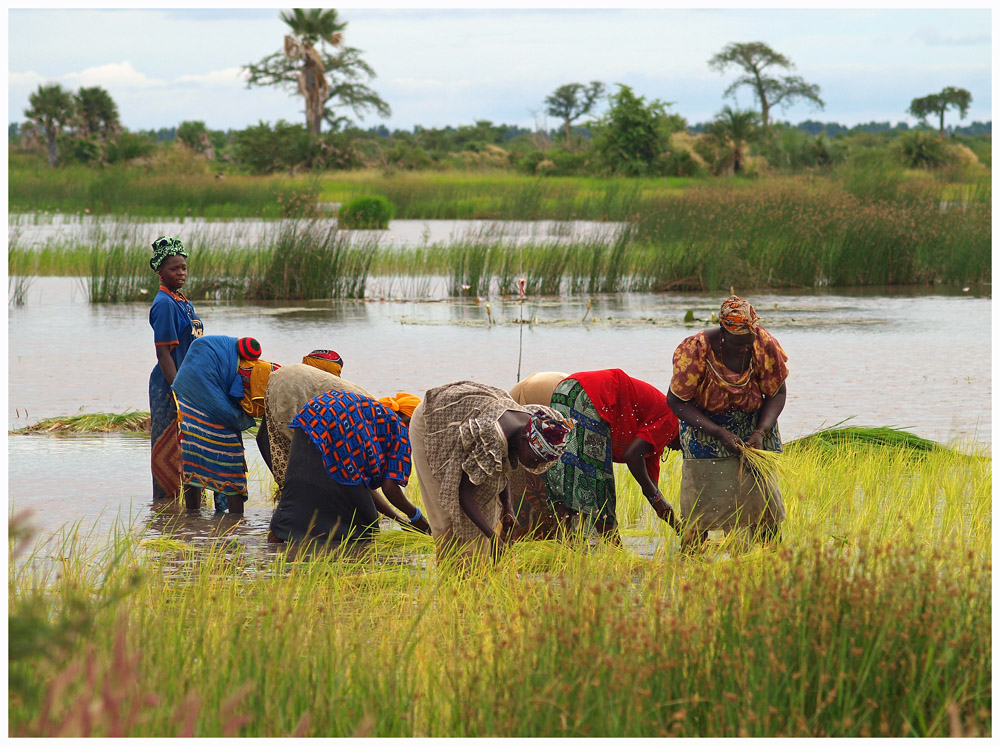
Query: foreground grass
[{"x": 871, "y": 618}]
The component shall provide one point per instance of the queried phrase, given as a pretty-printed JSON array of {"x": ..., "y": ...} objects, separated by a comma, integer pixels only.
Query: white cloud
[
  {"x": 29, "y": 79},
  {"x": 114, "y": 75},
  {"x": 231, "y": 76}
]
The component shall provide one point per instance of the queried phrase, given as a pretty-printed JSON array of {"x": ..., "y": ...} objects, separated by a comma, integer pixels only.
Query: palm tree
[
  {"x": 96, "y": 112},
  {"x": 51, "y": 109},
  {"x": 736, "y": 129},
  {"x": 309, "y": 27},
  {"x": 314, "y": 73}
]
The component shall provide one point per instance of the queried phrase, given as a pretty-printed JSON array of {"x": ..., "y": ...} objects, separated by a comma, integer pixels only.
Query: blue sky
[{"x": 456, "y": 65}]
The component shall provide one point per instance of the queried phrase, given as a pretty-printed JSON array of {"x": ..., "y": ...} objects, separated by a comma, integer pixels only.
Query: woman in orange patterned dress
[{"x": 727, "y": 390}]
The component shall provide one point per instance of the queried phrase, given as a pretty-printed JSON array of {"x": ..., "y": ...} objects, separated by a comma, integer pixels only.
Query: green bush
[
  {"x": 127, "y": 146},
  {"x": 262, "y": 149},
  {"x": 922, "y": 149},
  {"x": 365, "y": 213}
]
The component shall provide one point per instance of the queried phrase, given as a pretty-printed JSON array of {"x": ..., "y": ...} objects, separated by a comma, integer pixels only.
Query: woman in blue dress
[
  {"x": 210, "y": 392},
  {"x": 175, "y": 326}
]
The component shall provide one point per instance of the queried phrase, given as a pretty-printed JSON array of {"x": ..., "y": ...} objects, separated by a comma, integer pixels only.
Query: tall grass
[
  {"x": 310, "y": 259},
  {"x": 778, "y": 233},
  {"x": 293, "y": 259},
  {"x": 129, "y": 190},
  {"x": 21, "y": 269},
  {"x": 871, "y": 618},
  {"x": 501, "y": 196}
]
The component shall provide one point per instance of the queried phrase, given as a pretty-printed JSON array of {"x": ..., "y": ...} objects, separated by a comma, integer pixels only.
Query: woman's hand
[
  {"x": 507, "y": 520},
  {"x": 421, "y": 525},
  {"x": 730, "y": 441},
  {"x": 663, "y": 509},
  {"x": 756, "y": 440}
]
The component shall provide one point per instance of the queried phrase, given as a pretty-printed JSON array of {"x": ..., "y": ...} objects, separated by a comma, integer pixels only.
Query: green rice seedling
[
  {"x": 858, "y": 624},
  {"x": 129, "y": 421}
]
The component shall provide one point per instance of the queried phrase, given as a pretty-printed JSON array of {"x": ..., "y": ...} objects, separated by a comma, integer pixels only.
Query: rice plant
[{"x": 870, "y": 618}]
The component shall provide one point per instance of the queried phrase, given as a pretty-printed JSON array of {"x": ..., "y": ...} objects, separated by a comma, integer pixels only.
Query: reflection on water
[{"x": 912, "y": 359}]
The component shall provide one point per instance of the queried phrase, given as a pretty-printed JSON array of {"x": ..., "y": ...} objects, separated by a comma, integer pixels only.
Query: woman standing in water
[
  {"x": 211, "y": 394},
  {"x": 175, "y": 326},
  {"x": 727, "y": 390}
]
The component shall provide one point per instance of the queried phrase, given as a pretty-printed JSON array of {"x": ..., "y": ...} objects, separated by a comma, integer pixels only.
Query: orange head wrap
[{"x": 402, "y": 402}]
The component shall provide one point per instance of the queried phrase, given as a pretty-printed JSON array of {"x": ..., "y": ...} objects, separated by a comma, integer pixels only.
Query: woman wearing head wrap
[
  {"x": 175, "y": 327},
  {"x": 467, "y": 440},
  {"x": 345, "y": 447},
  {"x": 327, "y": 360},
  {"x": 288, "y": 390},
  {"x": 535, "y": 518},
  {"x": 210, "y": 390},
  {"x": 728, "y": 388},
  {"x": 619, "y": 419}
]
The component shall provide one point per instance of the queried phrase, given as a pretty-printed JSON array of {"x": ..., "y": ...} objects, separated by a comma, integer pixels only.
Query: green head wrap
[{"x": 163, "y": 247}]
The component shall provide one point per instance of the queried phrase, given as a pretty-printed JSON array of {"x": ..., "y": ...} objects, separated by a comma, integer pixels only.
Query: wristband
[{"x": 416, "y": 517}]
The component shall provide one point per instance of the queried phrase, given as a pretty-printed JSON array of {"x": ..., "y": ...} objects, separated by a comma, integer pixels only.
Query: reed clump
[{"x": 870, "y": 618}]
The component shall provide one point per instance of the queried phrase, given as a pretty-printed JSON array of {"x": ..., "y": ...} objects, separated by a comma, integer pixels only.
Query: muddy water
[{"x": 909, "y": 359}]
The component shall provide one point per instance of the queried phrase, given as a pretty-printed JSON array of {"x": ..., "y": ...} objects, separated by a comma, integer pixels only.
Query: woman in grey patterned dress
[{"x": 467, "y": 439}]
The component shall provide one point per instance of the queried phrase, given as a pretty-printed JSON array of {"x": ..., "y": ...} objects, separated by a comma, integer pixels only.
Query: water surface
[{"x": 909, "y": 358}]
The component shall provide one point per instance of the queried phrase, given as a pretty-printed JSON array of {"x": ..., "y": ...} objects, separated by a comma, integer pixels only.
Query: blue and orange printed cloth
[{"x": 361, "y": 441}]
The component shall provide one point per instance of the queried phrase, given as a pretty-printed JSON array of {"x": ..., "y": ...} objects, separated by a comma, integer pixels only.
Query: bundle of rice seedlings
[
  {"x": 129, "y": 421},
  {"x": 888, "y": 436},
  {"x": 766, "y": 467}
]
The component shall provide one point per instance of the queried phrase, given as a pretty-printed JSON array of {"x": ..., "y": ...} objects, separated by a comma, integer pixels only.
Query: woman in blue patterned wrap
[{"x": 175, "y": 326}]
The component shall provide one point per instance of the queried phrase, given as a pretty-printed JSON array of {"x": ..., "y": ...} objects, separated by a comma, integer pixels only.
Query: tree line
[{"x": 634, "y": 136}]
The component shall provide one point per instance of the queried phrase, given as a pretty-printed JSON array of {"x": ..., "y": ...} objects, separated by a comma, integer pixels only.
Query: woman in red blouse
[
  {"x": 727, "y": 390},
  {"x": 619, "y": 419}
]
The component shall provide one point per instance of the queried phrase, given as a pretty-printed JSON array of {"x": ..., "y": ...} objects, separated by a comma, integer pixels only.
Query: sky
[{"x": 454, "y": 65}]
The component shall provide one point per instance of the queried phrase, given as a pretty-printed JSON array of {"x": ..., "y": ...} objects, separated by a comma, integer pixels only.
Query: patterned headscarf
[
  {"x": 163, "y": 247},
  {"x": 402, "y": 402},
  {"x": 547, "y": 433},
  {"x": 327, "y": 360},
  {"x": 737, "y": 316}
]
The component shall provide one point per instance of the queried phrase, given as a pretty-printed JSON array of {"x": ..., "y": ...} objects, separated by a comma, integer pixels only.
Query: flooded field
[
  {"x": 911, "y": 358},
  {"x": 37, "y": 231}
]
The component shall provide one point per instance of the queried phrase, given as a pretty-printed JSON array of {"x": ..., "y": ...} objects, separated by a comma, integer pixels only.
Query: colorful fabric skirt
[
  {"x": 212, "y": 454},
  {"x": 165, "y": 441},
  {"x": 696, "y": 443},
  {"x": 583, "y": 480}
]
